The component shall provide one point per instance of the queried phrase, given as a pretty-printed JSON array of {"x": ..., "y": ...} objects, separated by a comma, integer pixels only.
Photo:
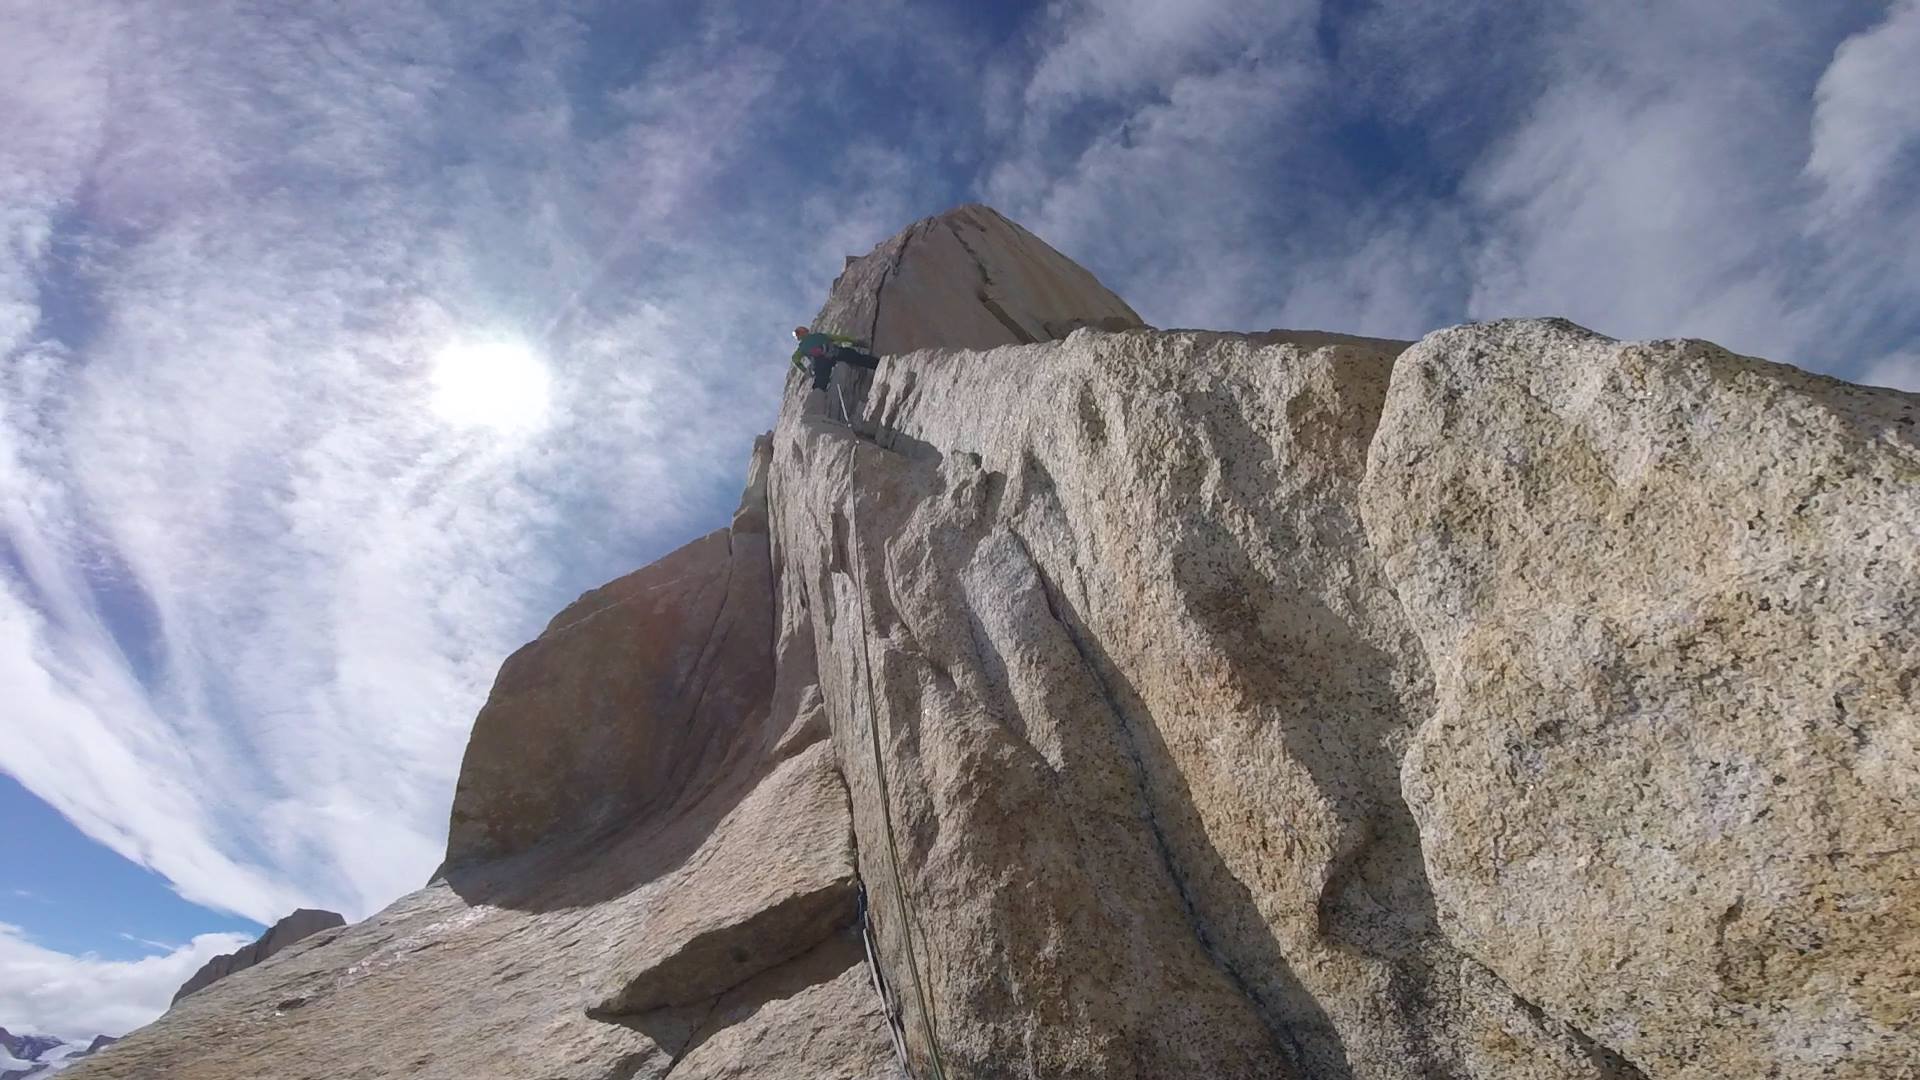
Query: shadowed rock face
[
  {"x": 650, "y": 869},
  {"x": 303, "y": 923},
  {"x": 1517, "y": 705}
]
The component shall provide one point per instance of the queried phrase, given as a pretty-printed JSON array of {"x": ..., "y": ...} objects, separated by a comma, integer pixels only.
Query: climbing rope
[
  {"x": 856, "y": 556},
  {"x": 889, "y": 1005}
]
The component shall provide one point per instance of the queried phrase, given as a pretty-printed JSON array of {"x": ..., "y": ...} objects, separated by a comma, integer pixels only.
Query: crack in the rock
[
  {"x": 1282, "y": 1038},
  {"x": 893, "y": 264},
  {"x": 709, "y": 649},
  {"x": 1615, "y": 1064},
  {"x": 693, "y": 1034},
  {"x": 993, "y": 307}
]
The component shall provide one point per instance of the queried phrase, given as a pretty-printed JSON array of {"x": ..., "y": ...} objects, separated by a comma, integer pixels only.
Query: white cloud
[
  {"x": 1624, "y": 211},
  {"x": 1900, "y": 371},
  {"x": 1657, "y": 187},
  {"x": 1867, "y": 108},
  {"x": 1154, "y": 140},
  {"x": 44, "y": 991},
  {"x": 1645, "y": 172},
  {"x": 1109, "y": 50},
  {"x": 259, "y": 586},
  {"x": 88, "y": 741}
]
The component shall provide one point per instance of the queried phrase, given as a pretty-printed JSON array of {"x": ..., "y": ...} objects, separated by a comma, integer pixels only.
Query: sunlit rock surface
[
  {"x": 1672, "y": 600},
  {"x": 1514, "y": 704}
]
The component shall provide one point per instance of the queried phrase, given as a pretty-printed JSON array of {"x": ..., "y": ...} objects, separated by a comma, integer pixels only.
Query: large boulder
[
  {"x": 1671, "y": 597},
  {"x": 1110, "y": 654}
]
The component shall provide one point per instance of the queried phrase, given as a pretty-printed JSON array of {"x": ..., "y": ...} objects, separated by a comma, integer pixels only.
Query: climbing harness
[{"x": 857, "y": 564}]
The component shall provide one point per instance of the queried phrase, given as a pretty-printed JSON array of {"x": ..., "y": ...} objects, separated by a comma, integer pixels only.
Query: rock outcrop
[
  {"x": 302, "y": 924},
  {"x": 1514, "y": 705}
]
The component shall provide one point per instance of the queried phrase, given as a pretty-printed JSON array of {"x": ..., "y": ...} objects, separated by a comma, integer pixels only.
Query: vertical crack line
[
  {"x": 893, "y": 264},
  {"x": 1615, "y": 1063},
  {"x": 981, "y": 294},
  {"x": 889, "y": 1002},
  {"x": 1282, "y": 1038},
  {"x": 693, "y": 1036},
  {"x": 927, "y": 1020}
]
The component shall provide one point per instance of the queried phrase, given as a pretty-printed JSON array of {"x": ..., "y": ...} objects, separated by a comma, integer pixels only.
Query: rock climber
[{"x": 821, "y": 351}]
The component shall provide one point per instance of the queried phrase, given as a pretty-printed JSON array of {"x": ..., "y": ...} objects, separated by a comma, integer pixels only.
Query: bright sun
[{"x": 499, "y": 385}]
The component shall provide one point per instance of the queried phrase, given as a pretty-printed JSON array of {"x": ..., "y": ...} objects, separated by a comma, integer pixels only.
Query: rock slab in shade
[
  {"x": 303, "y": 923},
  {"x": 622, "y": 708},
  {"x": 684, "y": 909},
  {"x": 1672, "y": 600}
]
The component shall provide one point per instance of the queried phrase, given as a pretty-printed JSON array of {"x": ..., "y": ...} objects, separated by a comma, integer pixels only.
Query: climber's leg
[
  {"x": 857, "y": 358},
  {"x": 822, "y": 371}
]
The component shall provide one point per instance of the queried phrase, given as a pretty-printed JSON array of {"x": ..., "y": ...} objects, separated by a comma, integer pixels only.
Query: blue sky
[{"x": 344, "y": 347}]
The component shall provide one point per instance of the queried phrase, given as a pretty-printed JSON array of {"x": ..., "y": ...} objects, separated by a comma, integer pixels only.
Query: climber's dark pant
[{"x": 823, "y": 365}]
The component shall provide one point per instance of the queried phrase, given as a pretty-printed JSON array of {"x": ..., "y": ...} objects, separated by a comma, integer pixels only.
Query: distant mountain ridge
[
  {"x": 40, "y": 1053},
  {"x": 303, "y": 923}
]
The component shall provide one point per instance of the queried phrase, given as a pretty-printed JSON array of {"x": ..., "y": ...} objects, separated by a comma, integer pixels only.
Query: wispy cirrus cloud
[
  {"x": 1734, "y": 171},
  {"x": 256, "y": 585},
  {"x": 1866, "y": 122}
]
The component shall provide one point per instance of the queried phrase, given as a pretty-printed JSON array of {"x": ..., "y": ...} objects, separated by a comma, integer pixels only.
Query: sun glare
[{"x": 499, "y": 385}]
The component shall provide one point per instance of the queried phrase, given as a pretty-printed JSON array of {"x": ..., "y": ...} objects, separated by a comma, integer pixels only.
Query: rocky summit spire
[
  {"x": 967, "y": 279},
  {"x": 1103, "y": 702}
]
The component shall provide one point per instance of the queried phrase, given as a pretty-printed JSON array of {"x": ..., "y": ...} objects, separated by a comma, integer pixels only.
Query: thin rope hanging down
[{"x": 858, "y": 565}]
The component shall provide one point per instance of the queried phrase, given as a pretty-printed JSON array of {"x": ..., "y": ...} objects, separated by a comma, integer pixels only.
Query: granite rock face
[
  {"x": 636, "y": 687},
  {"x": 1671, "y": 597},
  {"x": 967, "y": 279},
  {"x": 1167, "y": 638},
  {"x": 303, "y": 923},
  {"x": 1513, "y": 705},
  {"x": 1109, "y": 608}
]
